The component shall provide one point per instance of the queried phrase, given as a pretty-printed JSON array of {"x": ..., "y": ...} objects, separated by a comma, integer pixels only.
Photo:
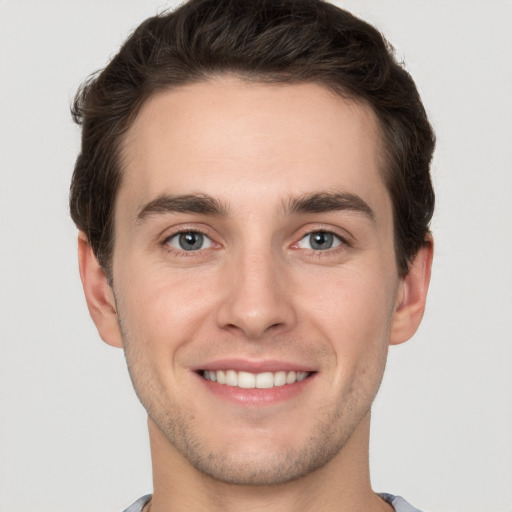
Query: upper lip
[{"x": 254, "y": 366}]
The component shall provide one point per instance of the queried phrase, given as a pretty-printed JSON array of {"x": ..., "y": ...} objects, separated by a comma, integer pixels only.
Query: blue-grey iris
[
  {"x": 191, "y": 241},
  {"x": 321, "y": 240}
]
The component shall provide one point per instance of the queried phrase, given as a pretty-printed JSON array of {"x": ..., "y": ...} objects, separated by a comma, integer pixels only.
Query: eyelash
[
  {"x": 344, "y": 243},
  {"x": 183, "y": 253}
]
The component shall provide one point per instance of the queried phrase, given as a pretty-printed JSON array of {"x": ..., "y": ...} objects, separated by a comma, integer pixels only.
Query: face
[{"x": 254, "y": 274}]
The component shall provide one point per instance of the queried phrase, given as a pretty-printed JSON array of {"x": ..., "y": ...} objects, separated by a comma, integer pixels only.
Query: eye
[
  {"x": 319, "y": 241},
  {"x": 189, "y": 241}
]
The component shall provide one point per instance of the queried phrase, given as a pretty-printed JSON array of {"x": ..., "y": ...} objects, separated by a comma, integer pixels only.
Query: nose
[{"x": 256, "y": 297}]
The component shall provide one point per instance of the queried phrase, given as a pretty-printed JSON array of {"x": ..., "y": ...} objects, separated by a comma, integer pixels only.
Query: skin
[{"x": 256, "y": 293}]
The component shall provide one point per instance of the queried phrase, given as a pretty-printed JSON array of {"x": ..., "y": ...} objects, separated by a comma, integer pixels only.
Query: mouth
[{"x": 247, "y": 380}]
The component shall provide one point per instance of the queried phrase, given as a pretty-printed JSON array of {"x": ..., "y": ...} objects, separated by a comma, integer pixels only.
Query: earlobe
[
  {"x": 412, "y": 296},
  {"x": 98, "y": 294}
]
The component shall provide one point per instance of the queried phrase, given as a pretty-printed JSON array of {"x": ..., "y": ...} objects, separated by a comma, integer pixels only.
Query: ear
[
  {"x": 412, "y": 295},
  {"x": 98, "y": 294}
]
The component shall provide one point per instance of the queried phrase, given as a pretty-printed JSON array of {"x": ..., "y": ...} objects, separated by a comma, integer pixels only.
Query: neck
[{"x": 341, "y": 485}]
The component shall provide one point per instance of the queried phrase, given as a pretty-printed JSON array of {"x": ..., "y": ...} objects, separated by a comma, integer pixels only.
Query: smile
[{"x": 246, "y": 380}]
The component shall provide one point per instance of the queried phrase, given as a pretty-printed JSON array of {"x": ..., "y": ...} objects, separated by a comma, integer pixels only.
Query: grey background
[{"x": 72, "y": 434}]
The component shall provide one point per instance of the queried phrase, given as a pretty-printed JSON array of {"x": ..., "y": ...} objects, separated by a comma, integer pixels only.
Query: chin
[
  {"x": 274, "y": 469},
  {"x": 269, "y": 462}
]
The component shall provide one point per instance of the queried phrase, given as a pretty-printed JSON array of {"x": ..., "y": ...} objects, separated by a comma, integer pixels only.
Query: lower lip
[{"x": 256, "y": 396}]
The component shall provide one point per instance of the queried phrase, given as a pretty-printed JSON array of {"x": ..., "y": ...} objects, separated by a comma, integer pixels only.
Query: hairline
[{"x": 121, "y": 161}]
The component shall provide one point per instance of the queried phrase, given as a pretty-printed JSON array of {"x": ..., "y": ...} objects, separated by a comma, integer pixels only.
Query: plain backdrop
[{"x": 72, "y": 433}]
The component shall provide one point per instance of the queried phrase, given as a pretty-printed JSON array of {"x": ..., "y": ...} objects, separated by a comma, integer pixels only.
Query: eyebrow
[
  {"x": 318, "y": 202},
  {"x": 323, "y": 202},
  {"x": 188, "y": 203}
]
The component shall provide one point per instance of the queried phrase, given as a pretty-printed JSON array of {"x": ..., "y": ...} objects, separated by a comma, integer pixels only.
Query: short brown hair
[{"x": 284, "y": 41}]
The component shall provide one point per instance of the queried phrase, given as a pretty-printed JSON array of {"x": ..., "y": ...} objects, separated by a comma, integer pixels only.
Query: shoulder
[
  {"x": 139, "y": 504},
  {"x": 398, "y": 503}
]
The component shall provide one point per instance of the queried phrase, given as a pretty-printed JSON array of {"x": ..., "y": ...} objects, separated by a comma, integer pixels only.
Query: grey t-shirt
[{"x": 397, "y": 502}]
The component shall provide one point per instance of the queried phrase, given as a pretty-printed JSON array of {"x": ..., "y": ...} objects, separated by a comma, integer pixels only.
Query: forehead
[{"x": 241, "y": 141}]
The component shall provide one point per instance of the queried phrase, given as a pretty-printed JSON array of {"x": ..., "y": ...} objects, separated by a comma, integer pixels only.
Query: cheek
[
  {"x": 354, "y": 311},
  {"x": 159, "y": 318},
  {"x": 163, "y": 308}
]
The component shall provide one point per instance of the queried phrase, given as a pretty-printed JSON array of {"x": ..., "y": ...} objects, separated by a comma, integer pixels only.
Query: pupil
[
  {"x": 191, "y": 241},
  {"x": 321, "y": 240}
]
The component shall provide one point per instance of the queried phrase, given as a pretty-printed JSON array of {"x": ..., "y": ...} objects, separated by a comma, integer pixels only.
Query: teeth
[
  {"x": 264, "y": 380},
  {"x": 231, "y": 378},
  {"x": 248, "y": 380},
  {"x": 291, "y": 377},
  {"x": 279, "y": 378}
]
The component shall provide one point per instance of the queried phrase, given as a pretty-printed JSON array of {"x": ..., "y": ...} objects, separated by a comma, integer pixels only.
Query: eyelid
[
  {"x": 175, "y": 231},
  {"x": 176, "y": 236},
  {"x": 336, "y": 243},
  {"x": 344, "y": 237},
  {"x": 171, "y": 231}
]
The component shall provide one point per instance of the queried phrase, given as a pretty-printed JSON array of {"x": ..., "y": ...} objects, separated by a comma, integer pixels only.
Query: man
[{"x": 253, "y": 198}]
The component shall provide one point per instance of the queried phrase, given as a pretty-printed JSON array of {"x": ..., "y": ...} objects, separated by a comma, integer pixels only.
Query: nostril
[{"x": 254, "y": 313}]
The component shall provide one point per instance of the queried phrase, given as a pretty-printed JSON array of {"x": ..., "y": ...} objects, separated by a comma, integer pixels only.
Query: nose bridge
[{"x": 255, "y": 302}]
